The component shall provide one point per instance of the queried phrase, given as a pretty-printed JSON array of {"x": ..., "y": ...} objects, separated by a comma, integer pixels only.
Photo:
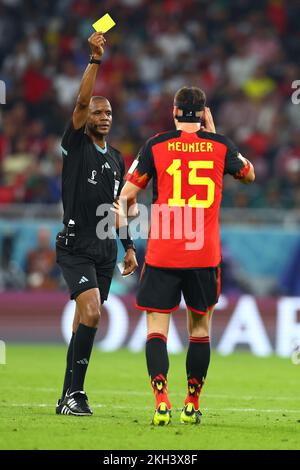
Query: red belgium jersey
[{"x": 187, "y": 170}]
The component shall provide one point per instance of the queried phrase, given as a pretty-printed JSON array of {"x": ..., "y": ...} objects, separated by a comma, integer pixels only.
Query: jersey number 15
[{"x": 175, "y": 171}]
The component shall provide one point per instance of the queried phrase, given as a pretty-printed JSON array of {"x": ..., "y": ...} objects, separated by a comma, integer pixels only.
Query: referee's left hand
[{"x": 130, "y": 262}]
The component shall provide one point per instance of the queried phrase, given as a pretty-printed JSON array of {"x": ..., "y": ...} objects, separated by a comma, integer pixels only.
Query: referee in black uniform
[{"x": 92, "y": 175}]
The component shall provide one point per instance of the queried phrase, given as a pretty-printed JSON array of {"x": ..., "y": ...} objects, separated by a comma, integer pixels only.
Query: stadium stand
[{"x": 243, "y": 53}]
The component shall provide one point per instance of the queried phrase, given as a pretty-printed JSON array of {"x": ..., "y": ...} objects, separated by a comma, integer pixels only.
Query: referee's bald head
[
  {"x": 97, "y": 100},
  {"x": 99, "y": 118}
]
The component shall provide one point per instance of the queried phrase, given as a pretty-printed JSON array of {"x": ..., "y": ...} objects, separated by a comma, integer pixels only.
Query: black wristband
[
  {"x": 125, "y": 238},
  {"x": 95, "y": 61}
]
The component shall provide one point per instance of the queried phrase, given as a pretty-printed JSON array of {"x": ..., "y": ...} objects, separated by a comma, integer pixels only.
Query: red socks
[{"x": 160, "y": 389}]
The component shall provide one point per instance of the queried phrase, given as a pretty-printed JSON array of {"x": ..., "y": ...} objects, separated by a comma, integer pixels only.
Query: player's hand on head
[
  {"x": 97, "y": 42},
  {"x": 130, "y": 262},
  {"x": 209, "y": 122}
]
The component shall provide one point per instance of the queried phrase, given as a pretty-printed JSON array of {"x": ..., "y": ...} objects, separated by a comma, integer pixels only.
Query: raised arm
[
  {"x": 80, "y": 113},
  {"x": 246, "y": 174},
  {"x": 237, "y": 165}
]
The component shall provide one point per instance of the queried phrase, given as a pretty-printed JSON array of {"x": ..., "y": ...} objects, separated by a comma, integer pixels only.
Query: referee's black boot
[
  {"x": 59, "y": 404},
  {"x": 58, "y": 407},
  {"x": 75, "y": 403}
]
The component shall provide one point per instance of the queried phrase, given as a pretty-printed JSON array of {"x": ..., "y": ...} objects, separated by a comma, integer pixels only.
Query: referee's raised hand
[{"x": 96, "y": 42}]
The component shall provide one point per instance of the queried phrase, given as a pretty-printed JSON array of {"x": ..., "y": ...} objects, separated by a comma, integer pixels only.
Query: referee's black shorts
[
  {"x": 160, "y": 289},
  {"x": 88, "y": 264}
]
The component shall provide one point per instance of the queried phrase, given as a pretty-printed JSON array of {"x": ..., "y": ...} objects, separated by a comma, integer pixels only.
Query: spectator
[
  {"x": 41, "y": 269},
  {"x": 259, "y": 85},
  {"x": 67, "y": 84},
  {"x": 241, "y": 66},
  {"x": 243, "y": 57}
]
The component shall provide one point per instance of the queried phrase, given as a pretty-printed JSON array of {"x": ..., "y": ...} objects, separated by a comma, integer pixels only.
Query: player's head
[
  {"x": 99, "y": 116},
  {"x": 189, "y": 104}
]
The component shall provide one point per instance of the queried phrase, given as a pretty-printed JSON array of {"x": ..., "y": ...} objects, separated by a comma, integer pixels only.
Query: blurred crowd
[
  {"x": 243, "y": 53},
  {"x": 40, "y": 272},
  {"x": 37, "y": 270}
]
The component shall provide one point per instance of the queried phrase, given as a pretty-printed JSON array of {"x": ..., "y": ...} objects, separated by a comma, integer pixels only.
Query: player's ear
[{"x": 176, "y": 112}]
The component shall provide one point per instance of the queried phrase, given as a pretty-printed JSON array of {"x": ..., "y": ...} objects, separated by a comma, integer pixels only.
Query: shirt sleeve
[
  {"x": 71, "y": 138},
  {"x": 142, "y": 169},
  {"x": 233, "y": 164}
]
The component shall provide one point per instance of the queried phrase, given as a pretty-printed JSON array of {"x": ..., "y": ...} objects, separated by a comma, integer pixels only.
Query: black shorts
[
  {"x": 88, "y": 264},
  {"x": 160, "y": 289}
]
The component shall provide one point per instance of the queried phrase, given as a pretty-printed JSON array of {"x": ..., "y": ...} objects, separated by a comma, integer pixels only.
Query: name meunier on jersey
[{"x": 91, "y": 176}]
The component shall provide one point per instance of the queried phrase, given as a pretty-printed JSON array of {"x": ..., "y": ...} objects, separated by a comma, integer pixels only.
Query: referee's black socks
[
  {"x": 82, "y": 348},
  {"x": 68, "y": 373},
  {"x": 197, "y": 362}
]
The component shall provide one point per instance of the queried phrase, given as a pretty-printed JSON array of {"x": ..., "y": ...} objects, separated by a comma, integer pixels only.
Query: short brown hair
[{"x": 186, "y": 96}]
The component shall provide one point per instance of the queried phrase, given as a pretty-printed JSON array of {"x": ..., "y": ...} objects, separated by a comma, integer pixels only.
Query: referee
[{"x": 92, "y": 175}]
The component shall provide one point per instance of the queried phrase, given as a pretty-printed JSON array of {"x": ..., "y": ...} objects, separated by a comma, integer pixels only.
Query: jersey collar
[{"x": 100, "y": 149}]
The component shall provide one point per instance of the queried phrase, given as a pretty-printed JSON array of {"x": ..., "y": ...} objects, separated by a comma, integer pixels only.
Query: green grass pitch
[{"x": 247, "y": 403}]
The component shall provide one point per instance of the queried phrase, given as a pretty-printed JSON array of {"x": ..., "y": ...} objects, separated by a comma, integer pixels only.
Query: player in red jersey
[{"x": 183, "y": 255}]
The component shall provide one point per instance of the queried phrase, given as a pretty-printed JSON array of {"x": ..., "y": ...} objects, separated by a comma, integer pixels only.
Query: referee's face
[{"x": 100, "y": 117}]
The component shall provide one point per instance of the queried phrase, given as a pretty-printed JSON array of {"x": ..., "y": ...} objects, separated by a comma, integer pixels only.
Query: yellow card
[{"x": 104, "y": 24}]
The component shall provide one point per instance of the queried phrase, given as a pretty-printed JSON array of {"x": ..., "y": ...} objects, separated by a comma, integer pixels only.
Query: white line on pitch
[
  {"x": 140, "y": 393},
  {"x": 226, "y": 410}
]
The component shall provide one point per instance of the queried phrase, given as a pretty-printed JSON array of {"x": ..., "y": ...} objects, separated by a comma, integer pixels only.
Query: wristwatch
[{"x": 95, "y": 61}]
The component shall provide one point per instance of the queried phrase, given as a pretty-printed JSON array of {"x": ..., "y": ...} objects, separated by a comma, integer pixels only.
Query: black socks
[
  {"x": 82, "y": 348},
  {"x": 197, "y": 359},
  {"x": 68, "y": 373},
  {"x": 157, "y": 355}
]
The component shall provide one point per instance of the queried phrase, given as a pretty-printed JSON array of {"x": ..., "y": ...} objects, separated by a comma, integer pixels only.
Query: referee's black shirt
[{"x": 91, "y": 176}]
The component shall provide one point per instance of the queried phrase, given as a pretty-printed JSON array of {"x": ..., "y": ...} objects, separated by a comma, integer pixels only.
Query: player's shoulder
[
  {"x": 220, "y": 138},
  {"x": 114, "y": 150},
  {"x": 162, "y": 137},
  {"x": 72, "y": 139},
  {"x": 70, "y": 131}
]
